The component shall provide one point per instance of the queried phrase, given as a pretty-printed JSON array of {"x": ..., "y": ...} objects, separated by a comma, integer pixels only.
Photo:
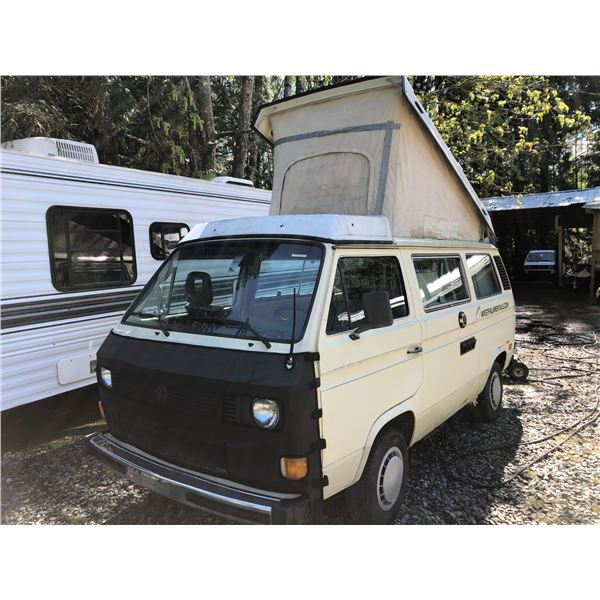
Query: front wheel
[{"x": 375, "y": 498}]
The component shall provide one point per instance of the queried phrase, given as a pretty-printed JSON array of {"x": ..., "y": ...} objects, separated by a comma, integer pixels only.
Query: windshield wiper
[
  {"x": 141, "y": 313},
  {"x": 243, "y": 325},
  {"x": 246, "y": 325},
  {"x": 162, "y": 322}
]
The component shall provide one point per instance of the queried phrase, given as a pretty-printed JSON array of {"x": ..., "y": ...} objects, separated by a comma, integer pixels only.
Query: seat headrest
[{"x": 198, "y": 288}]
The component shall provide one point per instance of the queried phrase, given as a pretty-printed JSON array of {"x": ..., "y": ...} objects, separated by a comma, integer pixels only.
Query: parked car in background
[{"x": 540, "y": 264}]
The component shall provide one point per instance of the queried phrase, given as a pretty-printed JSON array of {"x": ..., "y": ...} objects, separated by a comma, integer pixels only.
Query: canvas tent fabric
[{"x": 367, "y": 148}]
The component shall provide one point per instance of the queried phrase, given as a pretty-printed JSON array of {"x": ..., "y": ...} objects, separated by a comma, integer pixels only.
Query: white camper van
[
  {"x": 79, "y": 241},
  {"x": 540, "y": 263},
  {"x": 272, "y": 363}
]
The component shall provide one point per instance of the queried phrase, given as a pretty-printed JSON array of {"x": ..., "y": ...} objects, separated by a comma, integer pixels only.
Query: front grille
[
  {"x": 231, "y": 409},
  {"x": 502, "y": 271}
]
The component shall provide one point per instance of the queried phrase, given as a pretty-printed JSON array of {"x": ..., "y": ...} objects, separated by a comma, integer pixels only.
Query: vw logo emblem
[
  {"x": 161, "y": 393},
  {"x": 462, "y": 319}
]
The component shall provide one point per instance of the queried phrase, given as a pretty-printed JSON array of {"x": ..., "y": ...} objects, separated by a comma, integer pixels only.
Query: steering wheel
[{"x": 286, "y": 313}]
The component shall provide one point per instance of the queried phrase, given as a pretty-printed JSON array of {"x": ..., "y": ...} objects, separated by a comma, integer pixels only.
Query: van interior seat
[{"x": 199, "y": 294}]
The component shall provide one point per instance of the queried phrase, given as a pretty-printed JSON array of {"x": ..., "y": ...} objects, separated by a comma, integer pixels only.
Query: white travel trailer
[
  {"x": 272, "y": 363},
  {"x": 79, "y": 241}
]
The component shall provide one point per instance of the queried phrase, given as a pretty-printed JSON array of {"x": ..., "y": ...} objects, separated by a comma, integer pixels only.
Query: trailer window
[
  {"x": 483, "y": 275},
  {"x": 354, "y": 277},
  {"x": 90, "y": 248},
  {"x": 440, "y": 279},
  {"x": 164, "y": 237}
]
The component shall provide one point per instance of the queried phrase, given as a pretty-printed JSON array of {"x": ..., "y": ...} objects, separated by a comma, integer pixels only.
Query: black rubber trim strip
[
  {"x": 14, "y": 330},
  {"x": 85, "y": 294},
  {"x": 63, "y": 308},
  {"x": 288, "y": 236}
]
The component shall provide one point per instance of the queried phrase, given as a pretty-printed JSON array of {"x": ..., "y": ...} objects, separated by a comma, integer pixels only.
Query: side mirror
[{"x": 378, "y": 312}]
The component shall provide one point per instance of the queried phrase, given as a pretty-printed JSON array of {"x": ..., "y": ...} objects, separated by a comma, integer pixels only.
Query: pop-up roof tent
[{"x": 369, "y": 148}]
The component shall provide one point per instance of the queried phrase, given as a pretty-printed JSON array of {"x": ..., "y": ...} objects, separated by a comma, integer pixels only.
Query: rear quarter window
[
  {"x": 483, "y": 275},
  {"x": 441, "y": 281}
]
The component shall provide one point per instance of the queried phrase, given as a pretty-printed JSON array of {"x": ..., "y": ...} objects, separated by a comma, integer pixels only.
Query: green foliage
[{"x": 510, "y": 134}]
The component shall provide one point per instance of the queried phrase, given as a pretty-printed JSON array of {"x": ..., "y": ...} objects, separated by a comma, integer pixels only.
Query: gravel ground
[{"x": 459, "y": 475}]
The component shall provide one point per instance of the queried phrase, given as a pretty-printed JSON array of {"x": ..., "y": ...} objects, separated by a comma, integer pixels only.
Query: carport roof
[{"x": 544, "y": 200}]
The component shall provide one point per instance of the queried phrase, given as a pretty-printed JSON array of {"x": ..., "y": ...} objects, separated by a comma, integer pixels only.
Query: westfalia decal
[{"x": 493, "y": 309}]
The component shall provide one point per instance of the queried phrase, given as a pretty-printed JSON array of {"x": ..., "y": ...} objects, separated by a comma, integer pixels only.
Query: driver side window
[{"x": 356, "y": 276}]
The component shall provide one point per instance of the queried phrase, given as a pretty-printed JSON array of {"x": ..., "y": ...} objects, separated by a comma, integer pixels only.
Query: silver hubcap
[
  {"x": 495, "y": 391},
  {"x": 389, "y": 478}
]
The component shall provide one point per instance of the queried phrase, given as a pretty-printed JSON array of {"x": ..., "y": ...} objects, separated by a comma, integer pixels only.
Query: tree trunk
[
  {"x": 254, "y": 141},
  {"x": 205, "y": 110},
  {"x": 240, "y": 153},
  {"x": 547, "y": 134},
  {"x": 193, "y": 141},
  {"x": 300, "y": 84},
  {"x": 287, "y": 85}
]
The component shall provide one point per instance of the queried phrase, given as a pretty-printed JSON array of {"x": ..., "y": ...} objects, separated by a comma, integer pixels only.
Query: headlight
[
  {"x": 106, "y": 376},
  {"x": 265, "y": 413}
]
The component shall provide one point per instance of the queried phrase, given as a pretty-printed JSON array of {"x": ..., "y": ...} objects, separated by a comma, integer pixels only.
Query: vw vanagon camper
[{"x": 274, "y": 362}]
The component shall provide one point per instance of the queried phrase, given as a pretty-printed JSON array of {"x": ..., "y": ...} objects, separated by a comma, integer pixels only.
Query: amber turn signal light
[
  {"x": 294, "y": 468},
  {"x": 101, "y": 409}
]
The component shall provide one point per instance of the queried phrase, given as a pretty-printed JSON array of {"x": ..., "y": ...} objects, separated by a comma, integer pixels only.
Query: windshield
[
  {"x": 232, "y": 288},
  {"x": 540, "y": 256}
]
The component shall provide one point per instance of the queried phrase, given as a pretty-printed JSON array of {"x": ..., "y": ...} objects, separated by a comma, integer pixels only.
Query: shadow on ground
[
  {"x": 451, "y": 480},
  {"x": 49, "y": 419}
]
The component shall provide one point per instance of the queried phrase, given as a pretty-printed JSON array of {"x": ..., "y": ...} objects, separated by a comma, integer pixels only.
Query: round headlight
[
  {"x": 106, "y": 376},
  {"x": 265, "y": 413}
]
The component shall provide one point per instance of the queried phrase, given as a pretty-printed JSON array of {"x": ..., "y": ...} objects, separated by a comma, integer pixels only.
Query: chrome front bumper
[{"x": 195, "y": 489}]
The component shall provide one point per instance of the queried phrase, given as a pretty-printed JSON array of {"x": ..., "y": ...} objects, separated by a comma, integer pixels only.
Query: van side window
[
  {"x": 356, "y": 276},
  {"x": 483, "y": 275},
  {"x": 164, "y": 237},
  {"x": 90, "y": 248},
  {"x": 440, "y": 281}
]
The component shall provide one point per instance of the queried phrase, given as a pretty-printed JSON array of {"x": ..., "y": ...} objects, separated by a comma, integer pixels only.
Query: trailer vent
[
  {"x": 503, "y": 273},
  {"x": 76, "y": 151},
  {"x": 233, "y": 181},
  {"x": 51, "y": 147}
]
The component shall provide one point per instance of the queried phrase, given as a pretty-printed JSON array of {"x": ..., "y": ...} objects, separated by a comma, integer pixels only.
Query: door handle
[{"x": 415, "y": 350}]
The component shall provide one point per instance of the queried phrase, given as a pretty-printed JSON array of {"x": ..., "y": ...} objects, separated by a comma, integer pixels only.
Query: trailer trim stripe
[
  {"x": 124, "y": 184},
  {"x": 61, "y": 309}
]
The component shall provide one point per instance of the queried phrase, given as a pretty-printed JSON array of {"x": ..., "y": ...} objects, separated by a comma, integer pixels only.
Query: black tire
[
  {"x": 366, "y": 500},
  {"x": 517, "y": 371},
  {"x": 489, "y": 403}
]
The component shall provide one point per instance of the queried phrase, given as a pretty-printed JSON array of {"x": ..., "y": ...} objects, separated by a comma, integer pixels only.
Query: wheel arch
[
  {"x": 502, "y": 359},
  {"x": 401, "y": 418}
]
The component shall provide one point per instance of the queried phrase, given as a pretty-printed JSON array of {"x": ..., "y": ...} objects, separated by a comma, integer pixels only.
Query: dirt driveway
[{"x": 462, "y": 473}]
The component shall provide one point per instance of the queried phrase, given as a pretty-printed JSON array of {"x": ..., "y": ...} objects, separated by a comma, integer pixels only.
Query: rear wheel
[
  {"x": 375, "y": 499},
  {"x": 488, "y": 405}
]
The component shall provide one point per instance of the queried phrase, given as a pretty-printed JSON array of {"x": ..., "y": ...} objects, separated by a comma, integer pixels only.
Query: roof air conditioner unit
[{"x": 55, "y": 148}]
